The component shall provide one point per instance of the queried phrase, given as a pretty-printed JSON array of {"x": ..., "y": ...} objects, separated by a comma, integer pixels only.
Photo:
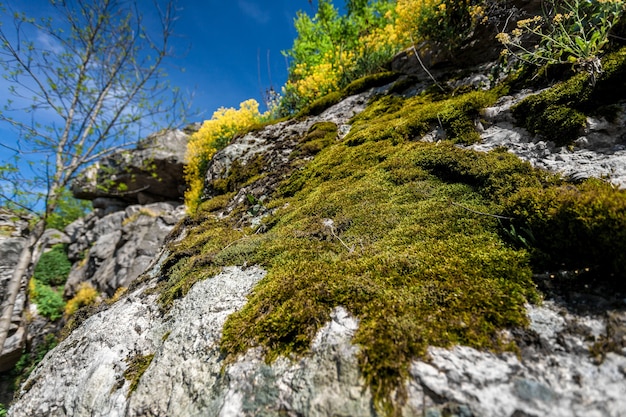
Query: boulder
[{"x": 151, "y": 172}]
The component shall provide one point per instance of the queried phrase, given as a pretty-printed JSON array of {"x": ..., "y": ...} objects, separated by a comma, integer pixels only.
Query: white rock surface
[{"x": 600, "y": 153}]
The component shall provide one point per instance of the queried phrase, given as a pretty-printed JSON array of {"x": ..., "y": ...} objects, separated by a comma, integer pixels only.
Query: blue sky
[
  {"x": 223, "y": 46},
  {"x": 229, "y": 46},
  {"x": 230, "y": 51},
  {"x": 230, "y": 42}
]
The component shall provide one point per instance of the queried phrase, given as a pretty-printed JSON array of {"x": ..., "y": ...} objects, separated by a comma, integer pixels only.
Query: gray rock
[
  {"x": 187, "y": 376},
  {"x": 112, "y": 251},
  {"x": 151, "y": 172},
  {"x": 10, "y": 249},
  {"x": 12, "y": 225},
  {"x": 93, "y": 360}
]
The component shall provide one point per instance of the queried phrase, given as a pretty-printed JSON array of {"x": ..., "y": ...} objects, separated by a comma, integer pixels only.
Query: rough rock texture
[
  {"x": 90, "y": 364},
  {"x": 555, "y": 372},
  {"x": 556, "y": 375},
  {"x": 110, "y": 252},
  {"x": 150, "y": 173},
  {"x": 276, "y": 142},
  {"x": 600, "y": 153},
  {"x": 13, "y": 230},
  {"x": 10, "y": 249},
  {"x": 84, "y": 375}
]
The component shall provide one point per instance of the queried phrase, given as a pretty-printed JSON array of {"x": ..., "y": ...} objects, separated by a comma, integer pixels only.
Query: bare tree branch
[{"x": 100, "y": 79}]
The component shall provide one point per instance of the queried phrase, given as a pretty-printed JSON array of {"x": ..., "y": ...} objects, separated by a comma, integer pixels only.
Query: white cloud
[
  {"x": 48, "y": 43},
  {"x": 254, "y": 11}
]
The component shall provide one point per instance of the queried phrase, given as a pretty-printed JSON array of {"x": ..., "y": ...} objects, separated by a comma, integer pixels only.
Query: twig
[
  {"x": 331, "y": 225},
  {"x": 480, "y": 212},
  {"x": 423, "y": 66}
]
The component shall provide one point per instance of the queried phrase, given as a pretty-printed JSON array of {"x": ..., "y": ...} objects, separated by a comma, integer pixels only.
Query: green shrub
[
  {"x": 49, "y": 302},
  {"x": 68, "y": 210},
  {"x": 333, "y": 49},
  {"x": 53, "y": 267},
  {"x": 445, "y": 23}
]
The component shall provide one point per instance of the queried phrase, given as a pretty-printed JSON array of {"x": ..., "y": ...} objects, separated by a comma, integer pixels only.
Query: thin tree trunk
[{"x": 13, "y": 288}]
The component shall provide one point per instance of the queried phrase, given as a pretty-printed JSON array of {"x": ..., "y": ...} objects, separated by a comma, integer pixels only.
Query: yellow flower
[
  {"x": 503, "y": 38},
  {"x": 214, "y": 133}
]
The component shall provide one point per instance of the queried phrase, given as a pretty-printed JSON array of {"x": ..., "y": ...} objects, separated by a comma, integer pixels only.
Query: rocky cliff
[
  {"x": 12, "y": 230},
  {"x": 353, "y": 263},
  {"x": 107, "y": 250}
]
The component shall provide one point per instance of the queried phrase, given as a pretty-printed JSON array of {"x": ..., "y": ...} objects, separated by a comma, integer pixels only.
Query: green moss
[
  {"x": 321, "y": 104},
  {"x": 403, "y": 83},
  {"x": 401, "y": 119},
  {"x": 137, "y": 365},
  {"x": 374, "y": 80},
  {"x": 49, "y": 301},
  {"x": 574, "y": 226},
  {"x": 216, "y": 203},
  {"x": 558, "y": 113},
  {"x": 319, "y": 136},
  {"x": 193, "y": 259},
  {"x": 414, "y": 265},
  {"x": 357, "y": 86},
  {"x": 238, "y": 175}
]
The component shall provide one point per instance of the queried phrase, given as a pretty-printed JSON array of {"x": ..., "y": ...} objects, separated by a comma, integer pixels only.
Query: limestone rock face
[
  {"x": 110, "y": 252},
  {"x": 89, "y": 365},
  {"x": 10, "y": 249},
  {"x": 151, "y": 172},
  {"x": 186, "y": 374},
  {"x": 600, "y": 152}
]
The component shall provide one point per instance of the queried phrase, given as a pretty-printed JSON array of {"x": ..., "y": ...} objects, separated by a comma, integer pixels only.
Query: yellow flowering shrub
[
  {"x": 445, "y": 21},
  {"x": 332, "y": 50},
  {"x": 214, "y": 134},
  {"x": 85, "y": 296}
]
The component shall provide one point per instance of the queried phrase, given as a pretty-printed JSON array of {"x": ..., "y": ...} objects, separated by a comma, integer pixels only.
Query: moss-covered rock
[
  {"x": 238, "y": 175},
  {"x": 574, "y": 227},
  {"x": 412, "y": 238},
  {"x": 378, "y": 230},
  {"x": 558, "y": 113},
  {"x": 137, "y": 365},
  {"x": 402, "y": 119},
  {"x": 355, "y": 87}
]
